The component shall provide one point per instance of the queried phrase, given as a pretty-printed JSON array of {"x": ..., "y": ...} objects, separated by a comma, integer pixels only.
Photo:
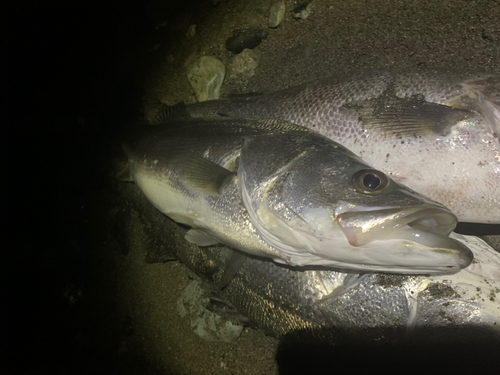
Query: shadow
[
  {"x": 476, "y": 229},
  {"x": 456, "y": 350}
]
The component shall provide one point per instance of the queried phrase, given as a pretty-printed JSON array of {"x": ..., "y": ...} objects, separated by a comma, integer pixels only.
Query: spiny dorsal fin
[
  {"x": 204, "y": 175},
  {"x": 166, "y": 113}
]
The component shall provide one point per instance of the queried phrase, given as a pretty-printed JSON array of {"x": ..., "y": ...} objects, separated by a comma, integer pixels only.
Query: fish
[
  {"x": 328, "y": 306},
  {"x": 276, "y": 190},
  {"x": 436, "y": 132}
]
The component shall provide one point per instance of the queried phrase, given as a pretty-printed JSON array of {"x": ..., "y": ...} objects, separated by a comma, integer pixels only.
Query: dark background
[{"x": 67, "y": 82}]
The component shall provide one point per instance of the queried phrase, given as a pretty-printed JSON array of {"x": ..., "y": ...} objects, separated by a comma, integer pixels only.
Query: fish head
[{"x": 325, "y": 206}]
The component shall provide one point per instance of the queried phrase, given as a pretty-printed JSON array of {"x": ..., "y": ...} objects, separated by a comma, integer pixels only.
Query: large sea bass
[
  {"x": 277, "y": 190},
  {"x": 334, "y": 306},
  {"x": 436, "y": 133}
]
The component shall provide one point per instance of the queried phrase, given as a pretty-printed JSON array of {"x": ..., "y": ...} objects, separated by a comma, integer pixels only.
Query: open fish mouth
[{"x": 428, "y": 226}]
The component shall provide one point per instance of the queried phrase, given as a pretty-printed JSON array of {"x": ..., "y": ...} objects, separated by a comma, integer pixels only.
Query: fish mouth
[{"x": 428, "y": 226}]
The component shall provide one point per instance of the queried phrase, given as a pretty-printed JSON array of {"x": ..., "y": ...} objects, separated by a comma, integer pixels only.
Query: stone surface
[
  {"x": 206, "y": 324},
  {"x": 244, "y": 64},
  {"x": 276, "y": 14},
  {"x": 302, "y": 10},
  {"x": 206, "y": 77}
]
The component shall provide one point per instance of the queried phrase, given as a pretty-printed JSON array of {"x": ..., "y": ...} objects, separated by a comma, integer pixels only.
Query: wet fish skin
[
  {"x": 438, "y": 133},
  {"x": 329, "y": 306},
  {"x": 277, "y": 190}
]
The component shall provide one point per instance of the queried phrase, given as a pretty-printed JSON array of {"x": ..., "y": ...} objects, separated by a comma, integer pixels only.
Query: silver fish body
[
  {"x": 335, "y": 306},
  {"x": 277, "y": 190},
  {"x": 438, "y": 133}
]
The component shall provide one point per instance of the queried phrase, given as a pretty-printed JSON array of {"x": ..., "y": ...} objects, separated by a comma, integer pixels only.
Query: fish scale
[
  {"x": 328, "y": 306},
  {"x": 277, "y": 190},
  {"x": 452, "y": 157}
]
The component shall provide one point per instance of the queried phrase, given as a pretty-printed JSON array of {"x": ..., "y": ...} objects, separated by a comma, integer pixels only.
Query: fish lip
[{"x": 362, "y": 227}]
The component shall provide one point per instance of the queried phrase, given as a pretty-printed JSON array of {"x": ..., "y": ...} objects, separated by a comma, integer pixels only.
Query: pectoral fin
[
  {"x": 406, "y": 117},
  {"x": 488, "y": 96},
  {"x": 200, "y": 238},
  {"x": 491, "y": 112},
  {"x": 204, "y": 175}
]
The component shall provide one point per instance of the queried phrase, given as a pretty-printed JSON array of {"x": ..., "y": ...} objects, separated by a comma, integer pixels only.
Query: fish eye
[{"x": 370, "y": 181}]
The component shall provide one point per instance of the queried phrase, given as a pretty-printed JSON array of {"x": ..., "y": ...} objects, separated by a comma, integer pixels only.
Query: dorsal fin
[{"x": 166, "y": 113}]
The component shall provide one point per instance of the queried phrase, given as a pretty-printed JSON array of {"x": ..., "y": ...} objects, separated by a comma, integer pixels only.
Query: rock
[
  {"x": 242, "y": 39},
  {"x": 244, "y": 64},
  {"x": 206, "y": 324},
  {"x": 303, "y": 10},
  {"x": 191, "y": 31},
  {"x": 276, "y": 13},
  {"x": 206, "y": 76}
]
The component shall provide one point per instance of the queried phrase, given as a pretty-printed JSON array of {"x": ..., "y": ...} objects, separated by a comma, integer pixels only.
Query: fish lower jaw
[
  {"x": 436, "y": 243},
  {"x": 395, "y": 256},
  {"x": 353, "y": 267}
]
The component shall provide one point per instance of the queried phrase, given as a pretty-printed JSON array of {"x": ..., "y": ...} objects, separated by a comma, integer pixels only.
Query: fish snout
[{"x": 423, "y": 231}]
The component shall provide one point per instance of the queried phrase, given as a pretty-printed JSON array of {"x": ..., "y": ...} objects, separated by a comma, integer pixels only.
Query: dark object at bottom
[{"x": 459, "y": 352}]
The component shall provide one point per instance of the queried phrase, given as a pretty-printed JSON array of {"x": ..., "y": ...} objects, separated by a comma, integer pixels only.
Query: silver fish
[
  {"x": 277, "y": 190},
  {"x": 438, "y": 133},
  {"x": 334, "y": 306}
]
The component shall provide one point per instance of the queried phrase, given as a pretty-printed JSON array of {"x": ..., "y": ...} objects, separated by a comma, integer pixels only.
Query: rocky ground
[{"x": 82, "y": 303}]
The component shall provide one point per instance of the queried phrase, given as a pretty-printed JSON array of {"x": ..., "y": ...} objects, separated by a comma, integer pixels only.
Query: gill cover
[{"x": 263, "y": 161}]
